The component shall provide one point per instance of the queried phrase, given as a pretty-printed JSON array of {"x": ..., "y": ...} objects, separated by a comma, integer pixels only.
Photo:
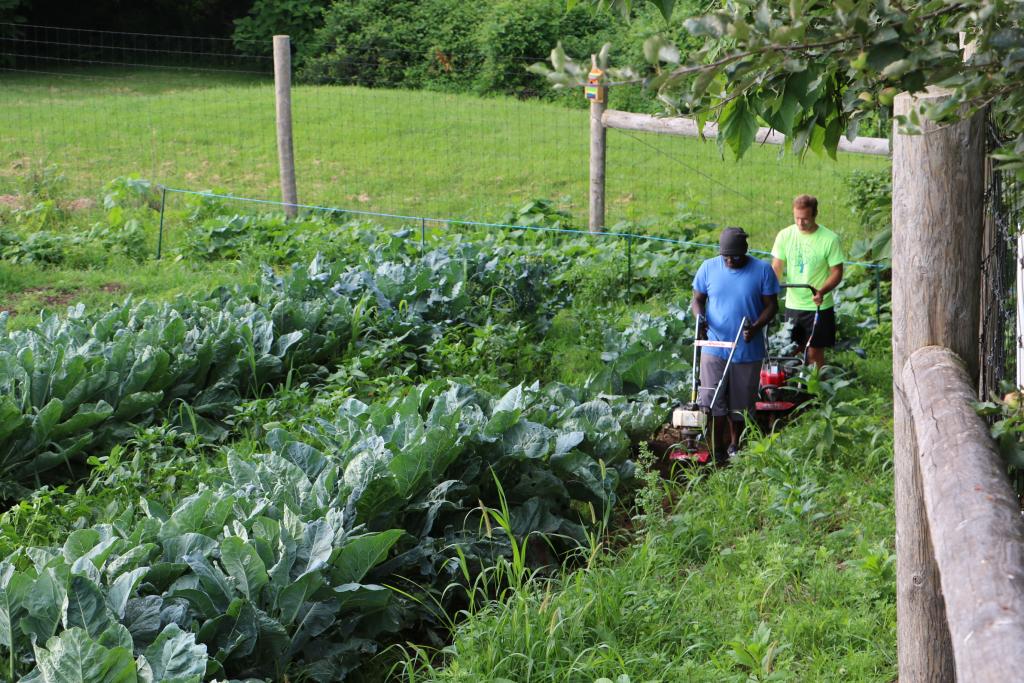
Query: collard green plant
[{"x": 279, "y": 565}]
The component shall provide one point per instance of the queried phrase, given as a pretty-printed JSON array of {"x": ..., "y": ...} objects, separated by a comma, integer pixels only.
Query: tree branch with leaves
[{"x": 814, "y": 70}]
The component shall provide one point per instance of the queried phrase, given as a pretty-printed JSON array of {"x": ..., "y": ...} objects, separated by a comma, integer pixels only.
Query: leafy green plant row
[
  {"x": 279, "y": 566},
  {"x": 82, "y": 382}
]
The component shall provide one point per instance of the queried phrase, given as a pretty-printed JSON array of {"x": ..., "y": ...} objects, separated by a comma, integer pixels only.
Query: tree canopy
[{"x": 815, "y": 69}]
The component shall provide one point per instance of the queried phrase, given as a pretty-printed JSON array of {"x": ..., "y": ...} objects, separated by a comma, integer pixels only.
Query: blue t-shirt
[{"x": 735, "y": 293}]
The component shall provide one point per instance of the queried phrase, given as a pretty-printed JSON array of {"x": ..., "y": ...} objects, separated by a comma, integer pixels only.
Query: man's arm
[
  {"x": 698, "y": 305},
  {"x": 771, "y": 307},
  {"x": 779, "y": 266},
  {"x": 835, "y": 276}
]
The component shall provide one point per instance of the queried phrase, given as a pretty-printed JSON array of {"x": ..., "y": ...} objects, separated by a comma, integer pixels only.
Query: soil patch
[
  {"x": 60, "y": 297},
  {"x": 55, "y": 297},
  {"x": 12, "y": 201},
  {"x": 80, "y": 204}
]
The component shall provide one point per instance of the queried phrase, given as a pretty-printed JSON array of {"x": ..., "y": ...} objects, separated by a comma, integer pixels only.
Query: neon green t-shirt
[{"x": 808, "y": 261}]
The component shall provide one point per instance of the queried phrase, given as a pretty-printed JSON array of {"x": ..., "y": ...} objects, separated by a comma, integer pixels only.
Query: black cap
[{"x": 733, "y": 242}]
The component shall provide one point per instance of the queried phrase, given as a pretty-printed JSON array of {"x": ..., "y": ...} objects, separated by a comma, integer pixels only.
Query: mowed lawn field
[{"x": 437, "y": 155}]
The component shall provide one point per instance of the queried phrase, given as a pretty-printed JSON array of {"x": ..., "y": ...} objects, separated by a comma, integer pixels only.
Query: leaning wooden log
[
  {"x": 974, "y": 518},
  {"x": 677, "y": 125}
]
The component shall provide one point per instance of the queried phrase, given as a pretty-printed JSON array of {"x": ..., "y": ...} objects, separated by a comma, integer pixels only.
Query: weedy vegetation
[{"x": 326, "y": 449}]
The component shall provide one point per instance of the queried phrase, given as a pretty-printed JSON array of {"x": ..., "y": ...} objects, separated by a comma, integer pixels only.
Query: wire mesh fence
[
  {"x": 199, "y": 113},
  {"x": 1004, "y": 223}
]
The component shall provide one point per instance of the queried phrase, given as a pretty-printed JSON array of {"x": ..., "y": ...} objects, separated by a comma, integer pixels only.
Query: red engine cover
[
  {"x": 699, "y": 457},
  {"x": 770, "y": 378}
]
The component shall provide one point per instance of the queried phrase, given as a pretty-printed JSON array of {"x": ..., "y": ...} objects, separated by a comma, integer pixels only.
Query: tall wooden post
[
  {"x": 937, "y": 222},
  {"x": 597, "y": 155},
  {"x": 283, "y": 98}
]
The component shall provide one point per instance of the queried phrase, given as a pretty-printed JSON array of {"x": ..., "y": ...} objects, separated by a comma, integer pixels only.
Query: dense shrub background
[{"x": 483, "y": 47}]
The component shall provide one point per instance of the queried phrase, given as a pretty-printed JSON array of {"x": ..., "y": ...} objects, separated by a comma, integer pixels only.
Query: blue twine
[{"x": 479, "y": 224}]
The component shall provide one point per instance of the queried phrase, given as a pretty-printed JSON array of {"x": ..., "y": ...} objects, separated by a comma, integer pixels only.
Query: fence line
[
  {"x": 973, "y": 517},
  {"x": 423, "y": 152},
  {"x": 422, "y": 221},
  {"x": 482, "y": 224}
]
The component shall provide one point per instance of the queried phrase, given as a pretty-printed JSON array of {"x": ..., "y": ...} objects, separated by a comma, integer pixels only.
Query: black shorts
[
  {"x": 738, "y": 393},
  {"x": 803, "y": 323}
]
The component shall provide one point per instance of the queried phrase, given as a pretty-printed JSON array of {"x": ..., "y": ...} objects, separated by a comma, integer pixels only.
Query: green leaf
[
  {"x": 79, "y": 543},
  {"x": 141, "y": 372},
  {"x": 763, "y": 17},
  {"x": 882, "y": 55},
  {"x": 232, "y": 634},
  {"x": 88, "y": 416},
  {"x": 216, "y": 585},
  {"x": 122, "y": 589},
  {"x": 316, "y": 546},
  {"x": 316, "y": 618},
  {"x": 11, "y": 608},
  {"x": 133, "y": 405},
  {"x": 86, "y": 607},
  {"x": 290, "y": 599},
  {"x": 142, "y": 617},
  {"x": 360, "y": 598},
  {"x": 361, "y": 553},
  {"x": 188, "y": 516},
  {"x": 43, "y": 603},
  {"x": 11, "y": 417},
  {"x": 710, "y": 25},
  {"x": 244, "y": 565},
  {"x": 46, "y": 419},
  {"x": 175, "y": 655},
  {"x": 199, "y": 601},
  {"x": 737, "y": 126},
  {"x": 665, "y": 7},
  {"x": 116, "y": 635},
  {"x": 74, "y": 657},
  {"x": 422, "y": 462},
  {"x": 177, "y": 547},
  {"x": 527, "y": 441}
]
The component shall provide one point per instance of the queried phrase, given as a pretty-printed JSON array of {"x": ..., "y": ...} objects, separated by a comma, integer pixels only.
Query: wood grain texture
[
  {"x": 598, "y": 149},
  {"x": 677, "y": 125},
  {"x": 937, "y": 225},
  {"x": 975, "y": 522},
  {"x": 283, "y": 101}
]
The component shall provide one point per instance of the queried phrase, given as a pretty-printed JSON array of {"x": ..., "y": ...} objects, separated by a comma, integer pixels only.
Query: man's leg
[
  {"x": 744, "y": 379},
  {"x": 711, "y": 370},
  {"x": 721, "y": 436},
  {"x": 735, "y": 429},
  {"x": 824, "y": 337},
  {"x": 800, "y": 332}
]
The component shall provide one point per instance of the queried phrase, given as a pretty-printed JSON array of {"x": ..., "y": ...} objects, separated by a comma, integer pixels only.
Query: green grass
[
  {"x": 26, "y": 290},
  {"x": 420, "y": 153},
  {"x": 779, "y": 568}
]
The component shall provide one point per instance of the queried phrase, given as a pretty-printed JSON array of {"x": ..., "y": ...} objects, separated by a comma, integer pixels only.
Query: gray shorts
[{"x": 739, "y": 390}]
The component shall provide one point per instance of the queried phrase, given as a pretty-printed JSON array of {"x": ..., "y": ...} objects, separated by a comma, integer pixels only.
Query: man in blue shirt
[{"x": 726, "y": 290}]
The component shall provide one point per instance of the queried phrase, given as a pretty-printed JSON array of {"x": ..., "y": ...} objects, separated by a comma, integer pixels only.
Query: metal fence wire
[
  {"x": 1004, "y": 208},
  {"x": 1000, "y": 265}
]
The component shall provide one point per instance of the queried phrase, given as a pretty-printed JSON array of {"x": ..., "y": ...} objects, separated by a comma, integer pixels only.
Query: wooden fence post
[
  {"x": 283, "y": 99},
  {"x": 598, "y": 147},
  {"x": 937, "y": 222},
  {"x": 974, "y": 519}
]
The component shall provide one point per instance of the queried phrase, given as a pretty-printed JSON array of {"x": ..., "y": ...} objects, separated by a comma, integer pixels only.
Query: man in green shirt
[{"x": 806, "y": 253}]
